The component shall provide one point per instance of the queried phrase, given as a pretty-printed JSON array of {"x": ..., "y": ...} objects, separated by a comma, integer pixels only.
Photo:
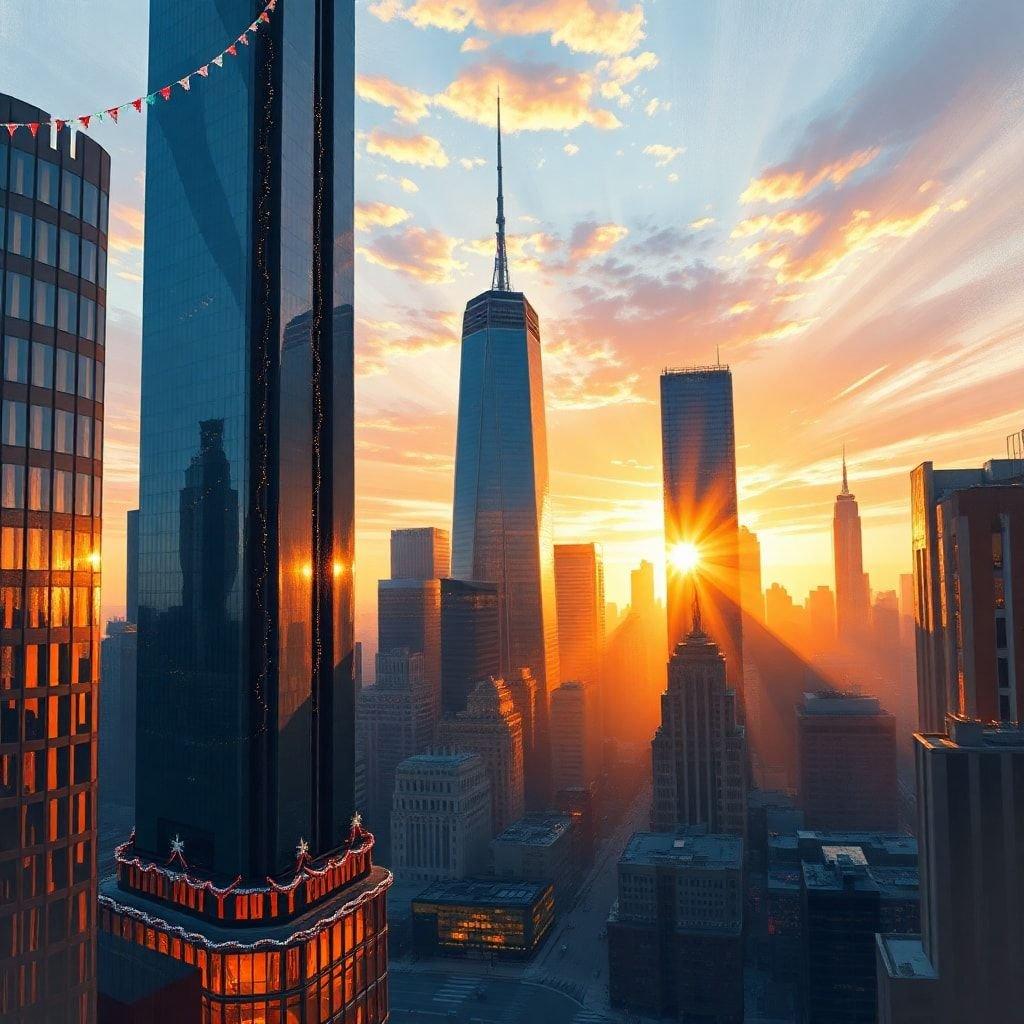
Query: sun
[{"x": 684, "y": 557}]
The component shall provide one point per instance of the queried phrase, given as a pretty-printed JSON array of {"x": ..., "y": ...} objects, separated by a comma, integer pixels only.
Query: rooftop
[
  {"x": 840, "y": 702},
  {"x": 536, "y": 830},
  {"x": 483, "y": 892},
  {"x": 904, "y": 957},
  {"x": 846, "y": 875},
  {"x": 965, "y": 734},
  {"x": 438, "y": 759},
  {"x": 711, "y": 851}
]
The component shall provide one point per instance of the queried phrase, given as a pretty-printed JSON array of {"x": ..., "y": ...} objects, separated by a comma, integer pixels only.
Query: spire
[
  {"x": 500, "y": 282},
  {"x": 696, "y": 620},
  {"x": 846, "y": 487}
]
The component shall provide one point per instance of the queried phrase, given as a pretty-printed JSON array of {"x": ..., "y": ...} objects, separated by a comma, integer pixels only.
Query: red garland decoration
[{"x": 263, "y": 18}]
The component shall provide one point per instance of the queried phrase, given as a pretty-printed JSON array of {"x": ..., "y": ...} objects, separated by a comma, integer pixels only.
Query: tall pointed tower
[
  {"x": 502, "y": 511},
  {"x": 851, "y": 583}
]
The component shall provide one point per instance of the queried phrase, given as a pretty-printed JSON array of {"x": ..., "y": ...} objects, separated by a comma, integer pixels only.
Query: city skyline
[{"x": 932, "y": 178}]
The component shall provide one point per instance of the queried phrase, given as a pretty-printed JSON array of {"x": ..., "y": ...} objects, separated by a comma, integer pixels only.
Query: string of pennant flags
[{"x": 82, "y": 121}]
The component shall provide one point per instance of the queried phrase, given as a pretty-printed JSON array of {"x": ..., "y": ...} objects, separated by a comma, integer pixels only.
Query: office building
[
  {"x": 845, "y": 901},
  {"x": 469, "y": 640},
  {"x": 575, "y": 737},
  {"x": 846, "y": 748},
  {"x": 247, "y": 856},
  {"x": 409, "y": 615},
  {"x": 935, "y": 531},
  {"x": 53, "y": 212},
  {"x": 538, "y": 848},
  {"x": 698, "y": 441},
  {"x": 675, "y": 934},
  {"x": 579, "y": 585},
  {"x": 478, "y": 917},
  {"x": 821, "y": 620},
  {"x": 441, "y": 817},
  {"x": 132, "y": 567},
  {"x": 699, "y": 753},
  {"x": 491, "y": 727},
  {"x": 117, "y": 713},
  {"x": 395, "y": 721},
  {"x": 641, "y": 587},
  {"x": 420, "y": 553},
  {"x": 502, "y": 507},
  {"x": 851, "y": 583},
  {"x": 964, "y": 964},
  {"x": 751, "y": 587}
]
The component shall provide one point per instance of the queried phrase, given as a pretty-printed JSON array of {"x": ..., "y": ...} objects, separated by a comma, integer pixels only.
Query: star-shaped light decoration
[
  {"x": 357, "y": 820},
  {"x": 177, "y": 846},
  {"x": 302, "y": 850}
]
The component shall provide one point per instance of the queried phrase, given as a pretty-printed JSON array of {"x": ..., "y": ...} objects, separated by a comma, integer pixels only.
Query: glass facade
[
  {"x": 51, "y": 394},
  {"x": 469, "y": 640},
  {"x": 502, "y": 510},
  {"x": 698, "y": 439}
]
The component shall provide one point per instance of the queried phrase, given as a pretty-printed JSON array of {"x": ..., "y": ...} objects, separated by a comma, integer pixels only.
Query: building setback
[
  {"x": 441, "y": 818},
  {"x": 675, "y": 934},
  {"x": 420, "y": 553},
  {"x": 248, "y": 858},
  {"x": 53, "y": 216},
  {"x": 847, "y": 762},
  {"x": 501, "y": 529}
]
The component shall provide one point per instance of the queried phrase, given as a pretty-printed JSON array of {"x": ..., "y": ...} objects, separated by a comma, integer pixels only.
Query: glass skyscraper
[
  {"x": 248, "y": 860},
  {"x": 502, "y": 511},
  {"x": 698, "y": 439},
  {"x": 53, "y": 274}
]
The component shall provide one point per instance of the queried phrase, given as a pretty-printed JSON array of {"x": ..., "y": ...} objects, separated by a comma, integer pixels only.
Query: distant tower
[
  {"x": 698, "y": 439},
  {"x": 851, "y": 584},
  {"x": 502, "y": 509}
]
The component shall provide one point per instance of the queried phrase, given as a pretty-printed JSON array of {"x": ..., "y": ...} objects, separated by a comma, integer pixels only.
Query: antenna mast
[{"x": 500, "y": 281}]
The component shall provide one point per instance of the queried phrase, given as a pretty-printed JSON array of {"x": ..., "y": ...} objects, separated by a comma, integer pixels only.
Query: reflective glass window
[
  {"x": 22, "y": 173},
  {"x": 83, "y": 498},
  {"x": 19, "y": 233},
  {"x": 11, "y": 547},
  {"x": 42, "y": 365},
  {"x": 43, "y": 305},
  {"x": 65, "y": 371},
  {"x": 38, "y": 548},
  {"x": 13, "y": 422},
  {"x": 40, "y": 427},
  {"x": 69, "y": 251},
  {"x": 46, "y": 242},
  {"x": 104, "y": 204},
  {"x": 85, "y": 436},
  {"x": 97, "y": 443},
  {"x": 89, "y": 260},
  {"x": 67, "y": 311},
  {"x": 87, "y": 319},
  {"x": 18, "y": 296},
  {"x": 99, "y": 381},
  {"x": 64, "y": 432},
  {"x": 90, "y": 203},
  {"x": 71, "y": 194},
  {"x": 12, "y": 486},
  {"x": 47, "y": 178},
  {"x": 38, "y": 493},
  {"x": 62, "y": 499},
  {"x": 16, "y": 360},
  {"x": 85, "y": 376}
]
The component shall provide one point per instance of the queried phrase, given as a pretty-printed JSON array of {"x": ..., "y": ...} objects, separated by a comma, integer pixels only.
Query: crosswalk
[{"x": 455, "y": 990}]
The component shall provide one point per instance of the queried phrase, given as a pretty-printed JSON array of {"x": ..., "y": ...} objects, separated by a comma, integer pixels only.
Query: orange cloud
[
  {"x": 779, "y": 184},
  {"x": 584, "y": 26},
  {"x": 663, "y": 155},
  {"x": 405, "y": 184},
  {"x": 378, "y": 215},
  {"x": 381, "y": 342},
  {"x": 589, "y": 240},
  {"x": 473, "y": 44},
  {"x": 424, "y": 254},
  {"x": 127, "y": 230},
  {"x": 409, "y": 105},
  {"x": 787, "y": 223},
  {"x": 621, "y": 71},
  {"x": 421, "y": 150},
  {"x": 534, "y": 97}
]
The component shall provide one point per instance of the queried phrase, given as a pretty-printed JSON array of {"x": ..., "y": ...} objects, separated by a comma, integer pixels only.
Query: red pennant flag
[
  {"x": 166, "y": 92},
  {"x": 244, "y": 39},
  {"x": 84, "y": 121},
  {"x": 33, "y": 127},
  {"x": 11, "y": 129},
  {"x": 264, "y": 17},
  {"x": 137, "y": 104},
  {"x": 112, "y": 113},
  {"x": 59, "y": 123},
  {"x": 233, "y": 50},
  {"x": 204, "y": 70}
]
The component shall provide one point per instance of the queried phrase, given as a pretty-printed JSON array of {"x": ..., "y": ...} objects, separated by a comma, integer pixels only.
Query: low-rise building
[
  {"x": 482, "y": 916},
  {"x": 538, "y": 848}
]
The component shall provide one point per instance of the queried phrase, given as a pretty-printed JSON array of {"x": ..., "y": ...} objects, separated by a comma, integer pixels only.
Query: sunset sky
[{"x": 830, "y": 194}]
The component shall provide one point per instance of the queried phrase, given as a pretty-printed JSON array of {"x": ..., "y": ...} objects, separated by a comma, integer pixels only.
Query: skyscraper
[
  {"x": 420, "y": 553},
  {"x": 751, "y": 587},
  {"x": 132, "y": 565},
  {"x": 247, "y": 859},
  {"x": 968, "y": 554},
  {"x": 699, "y": 753},
  {"x": 579, "y": 585},
  {"x": 53, "y": 210},
  {"x": 502, "y": 509},
  {"x": 409, "y": 615},
  {"x": 698, "y": 440},
  {"x": 575, "y": 738},
  {"x": 851, "y": 583},
  {"x": 469, "y": 640}
]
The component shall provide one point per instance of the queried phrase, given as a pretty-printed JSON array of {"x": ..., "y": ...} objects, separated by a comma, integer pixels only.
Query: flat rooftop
[
  {"x": 483, "y": 892},
  {"x": 840, "y": 703},
  {"x": 849, "y": 876},
  {"x": 438, "y": 759},
  {"x": 536, "y": 830},
  {"x": 964, "y": 734},
  {"x": 710, "y": 851},
  {"x": 904, "y": 957}
]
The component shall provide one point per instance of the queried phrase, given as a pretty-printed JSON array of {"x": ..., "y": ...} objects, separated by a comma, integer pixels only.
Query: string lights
[{"x": 82, "y": 121}]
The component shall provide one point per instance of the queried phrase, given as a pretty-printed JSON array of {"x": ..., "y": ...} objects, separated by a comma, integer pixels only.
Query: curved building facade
[{"x": 53, "y": 230}]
